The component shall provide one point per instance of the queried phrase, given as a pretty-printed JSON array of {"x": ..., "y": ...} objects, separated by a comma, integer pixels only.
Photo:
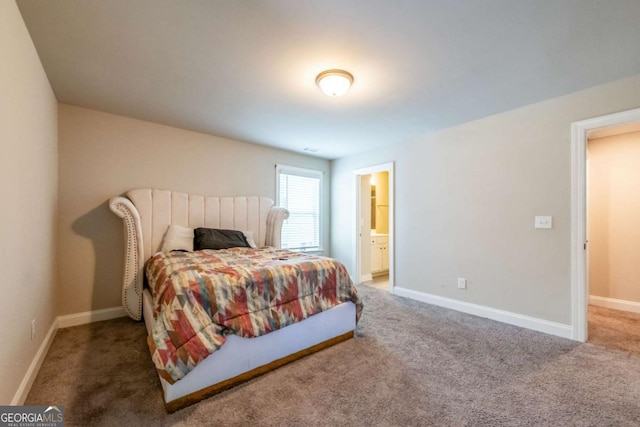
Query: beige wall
[
  {"x": 381, "y": 180},
  {"x": 614, "y": 216},
  {"x": 103, "y": 155},
  {"x": 472, "y": 216},
  {"x": 28, "y": 171}
]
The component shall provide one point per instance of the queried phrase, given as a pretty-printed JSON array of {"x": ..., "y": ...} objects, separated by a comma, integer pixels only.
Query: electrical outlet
[
  {"x": 462, "y": 283},
  {"x": 33, "y": 329}
]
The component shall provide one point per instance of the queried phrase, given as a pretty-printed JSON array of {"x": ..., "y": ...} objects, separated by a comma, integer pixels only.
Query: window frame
[{"x": 309, "y": 173}]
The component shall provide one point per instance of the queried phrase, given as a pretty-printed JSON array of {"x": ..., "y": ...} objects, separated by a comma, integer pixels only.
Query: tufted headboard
[{"x": 147, "y": 213}]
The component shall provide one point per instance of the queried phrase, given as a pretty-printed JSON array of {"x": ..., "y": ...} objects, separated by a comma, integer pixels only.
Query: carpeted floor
[
  {"x": 411, "y": 364},
  {"x": 614, "y": 329}
]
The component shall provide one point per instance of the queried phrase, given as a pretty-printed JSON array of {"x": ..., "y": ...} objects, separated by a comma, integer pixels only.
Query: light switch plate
[
  {"x": 544, "y": 222},
  {"x": 462, "y": 283}
]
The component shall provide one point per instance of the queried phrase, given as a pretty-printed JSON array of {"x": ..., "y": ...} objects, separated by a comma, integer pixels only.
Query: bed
[{"x": 147, "y": 215}]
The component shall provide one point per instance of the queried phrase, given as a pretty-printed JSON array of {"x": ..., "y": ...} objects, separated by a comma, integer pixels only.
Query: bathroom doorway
[{"x": 374, "y": 231}]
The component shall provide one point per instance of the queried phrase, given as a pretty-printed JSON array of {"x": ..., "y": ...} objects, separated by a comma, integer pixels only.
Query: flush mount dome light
[{"x": 334, "y": 82}]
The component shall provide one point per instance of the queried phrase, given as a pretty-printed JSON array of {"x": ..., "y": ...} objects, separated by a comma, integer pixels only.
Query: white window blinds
[{"x": 299, "y": 191}]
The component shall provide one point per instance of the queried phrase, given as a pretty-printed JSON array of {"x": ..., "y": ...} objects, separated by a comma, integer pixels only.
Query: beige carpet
[
  {"x": 411, "y": 364},
  {"x": 614, "y": 329}
]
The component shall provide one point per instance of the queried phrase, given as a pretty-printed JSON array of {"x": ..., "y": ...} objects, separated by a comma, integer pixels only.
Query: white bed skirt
[{"x": 239, "y": 355}]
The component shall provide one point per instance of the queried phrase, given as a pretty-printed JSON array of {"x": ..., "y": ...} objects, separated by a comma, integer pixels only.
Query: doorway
[
  {"x": 374, "y": 229},
  {"x": 613, "y": 233},
  {"x": 582, "y": 132}
]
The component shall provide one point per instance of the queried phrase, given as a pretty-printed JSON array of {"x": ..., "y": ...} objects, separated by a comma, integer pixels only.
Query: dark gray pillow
[{"x": 213, "y": 238}]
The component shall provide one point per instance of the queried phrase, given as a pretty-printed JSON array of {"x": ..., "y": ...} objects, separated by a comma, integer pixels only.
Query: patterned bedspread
[{"x": 200, "y": 297}]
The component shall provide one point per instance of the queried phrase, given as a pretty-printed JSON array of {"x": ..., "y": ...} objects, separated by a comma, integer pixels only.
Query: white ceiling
[{"x": 246, "y": 69}]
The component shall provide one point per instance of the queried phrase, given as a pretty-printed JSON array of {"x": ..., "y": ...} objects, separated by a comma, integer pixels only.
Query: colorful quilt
[{"x": 200, "y": 297}]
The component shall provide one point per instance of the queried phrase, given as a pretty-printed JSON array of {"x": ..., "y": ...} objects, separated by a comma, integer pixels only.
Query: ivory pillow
[
  {"x": 250, "y": 240},
  {"x": 177, "y": 238}
]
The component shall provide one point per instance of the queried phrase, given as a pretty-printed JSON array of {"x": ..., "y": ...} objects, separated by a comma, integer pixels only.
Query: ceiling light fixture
[{"x": 334, "y": 82}]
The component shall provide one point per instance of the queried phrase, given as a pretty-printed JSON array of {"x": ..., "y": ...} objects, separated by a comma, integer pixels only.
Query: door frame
[
  {"x": 580, "y": 132},
  {"x": 357, "y": 174}
]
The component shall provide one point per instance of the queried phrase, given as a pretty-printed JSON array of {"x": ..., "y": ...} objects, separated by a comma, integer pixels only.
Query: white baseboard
[
  {"x": 36, "y": 363},
  {"x": 616, "y": 304},
  {"x": 366, "y": 278},
  {"x": 540, "y": 325},
  {"x": 90, "y": 316},
  {"x": 59, "y": 323}
]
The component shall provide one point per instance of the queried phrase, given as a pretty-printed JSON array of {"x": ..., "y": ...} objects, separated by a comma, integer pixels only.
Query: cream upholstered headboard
[{"x": 147, "y": 213}]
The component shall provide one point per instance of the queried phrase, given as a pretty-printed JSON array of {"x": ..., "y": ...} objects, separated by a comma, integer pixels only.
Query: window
[{"x": 299, "y": 191}]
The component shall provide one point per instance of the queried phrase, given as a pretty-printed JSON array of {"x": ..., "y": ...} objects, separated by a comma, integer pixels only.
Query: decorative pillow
[
  {"x": 177, "y": 238},
  {"x": 213, "y": 238},
  {"x": 250, "y": 240}
]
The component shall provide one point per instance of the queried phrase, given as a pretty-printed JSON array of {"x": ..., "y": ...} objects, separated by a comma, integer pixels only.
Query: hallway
[{"x": 614, "y": 329}]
